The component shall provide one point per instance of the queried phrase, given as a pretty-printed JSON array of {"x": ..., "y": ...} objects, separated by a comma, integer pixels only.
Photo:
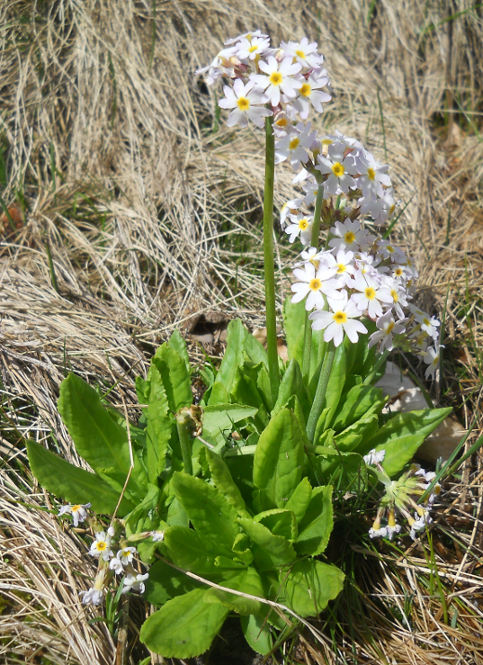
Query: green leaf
[
  {"x": 139, "y": 520},
  {"x": 218, "y": 419},
  {"x": 362, "y": 430},
  {"x": 255, "y": 351},
  {"x": 402, "y": 435},
  {"x": 185, "y": 627},
  {"x": 345, "y": 471},
  {"x": 208, "y": 511},
  {"x": 280, "y": 521},
  {"x": 159, "y": 424},
  {"x": 165, "y": 582},
  {"x": 102, "y": 442},
  {"x": 189, "y": 551},
  {"x": 233, "y": 358},
  {"x": 270, "y": 551},
  {"x": 278, "y": 461},
  {"x": 317, "y": 524},
  {"x": 294, "y": 326},
  {"x": 225, "y": 484},
  {"x": 257, "y": 633},
  {"x": 361, "y": 401},
  {"x": 300, "y": 499},
  {"x": 248, "y": 581},
  {"x": 175, "y": 376},
  {"x": 292, "y": 384},
  {"x": 245, "y": 392},
  {"x": 73, "y": 484},
  {"x": 337, "y": 381},
  {"x": 310, "y": 585},
  {"x": 177, "y": 342}
]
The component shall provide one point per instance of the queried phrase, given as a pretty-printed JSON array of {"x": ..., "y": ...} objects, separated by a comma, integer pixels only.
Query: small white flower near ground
[
  {"x": 134, "y": 583},
  {"x": 78, "y": 511}
]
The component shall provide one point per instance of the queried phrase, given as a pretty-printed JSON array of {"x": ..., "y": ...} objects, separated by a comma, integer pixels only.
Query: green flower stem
[
  {"x": 270, "y": 316},
  {"x": 184, "y": 423},
  {"x": 324, "y": 376},
  {"x": 314, "y": 241}
]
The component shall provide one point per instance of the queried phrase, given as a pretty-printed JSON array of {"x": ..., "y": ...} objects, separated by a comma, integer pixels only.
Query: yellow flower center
[
  {"x": 390, "y": 249},
  {"x": 390, "y": 327},
  {"x": 300, "y": 53},
  {"x": 392, "y": 209},
  {"x": 101, "y": 546},
  {"x": 371, "y": 174},
  {"x": 243, "y": 103},
  {"x": 281, "y": 122},
  {"x": 75, "y": 508},
  {"x": 252, "y": 49},
  {"x": 394, "y": 294},
  {"x": 340, "y": 317},
  {"x": 275, "y": 78},
  {"x": 398, "y": 272},
  {"x": 426, "y": 322},
  {"x": 338, "y": 169},
  {"x": 315, "y": 263},
  {"x": 303, "y": 224},
  {"x": 349, "y": 237},
  {"x": 341, "y": 268},
  {"x": 294, "y": 143},
  {"x": 370, "y": 293},
  {"x": 305, "y": 90},
  {"x": 315, "y": 284}
]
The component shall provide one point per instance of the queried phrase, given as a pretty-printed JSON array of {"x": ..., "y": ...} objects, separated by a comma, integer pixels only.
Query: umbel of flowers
[{"x": 343, "y": 189}]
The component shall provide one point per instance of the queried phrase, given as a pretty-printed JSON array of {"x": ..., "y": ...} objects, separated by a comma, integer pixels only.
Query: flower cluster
[
  {"x": 400, "y": 498},
  {"x": 105, "y": 544},
  {"x": 359, "y": 277}
]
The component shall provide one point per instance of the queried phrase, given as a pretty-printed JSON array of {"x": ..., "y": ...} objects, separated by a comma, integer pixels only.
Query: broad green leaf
[
  {"x": 361, "y": 358},
  {"x": 185, "y": 627},
  {"x": 102, "y": 442},
  {"x": 317, "y": 523},
  {"x": 336, "y": 385},
  {"x": 345, "y": 471},
  {"x": 361, "y": 401},
  {"x": 177, "y": 514},
  {"x": 363, "y": 429},
  {"x": 263, "y": 385},
  {"x": 165, "y": 582},
  {"x": 189, "y": 551},
  {"x": 310, "y": 585},
  {"x": 300, "y": 499},
  {"x": 73, "y": 484},
  {"x": 292, "y": 384},
  {"x": 241, "y": 469},
  {"x": 245, "y": 392},
  {"x": 233, "y": 358},
  {"x": 280, "y": 521},
  {"x": 402, "y": 435},
  {"x": 208, "y": 511},
  {"x": 279, "y": 459},
  {"x": 175, "y": 376},
  {"x": 218, "y": 419},
  {"x": 255, "y": 351},
  {"x": 257, "y": 633},
  {"x": 177, "y": 342},
  {"x": 240, "y": 549},
  {"x": 247, "y": 581},
  {"x": 224, "y": 483},
  {"x": 159, "y": 424},
  {"x": 270, "y": 551},
  {"x": 142, "y": 390},
  {"x": 294, "y": 326},
  {"x": 140, "y": 520}
]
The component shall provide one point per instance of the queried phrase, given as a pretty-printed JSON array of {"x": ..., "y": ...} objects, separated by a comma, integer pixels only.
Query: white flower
[
  {"x": 78, "y": 511},
  {"x": 157, "y": 536},
  {"x": 388, "y": 251},
  {"x": 220, "y": 65},
  {"x": 301, "y": 225},
  {"x": 92, "y": 596},
  {"x": 343, "y": 262},
  {"x": 374, "y": 457},
  {"x": 310, "y": 93},
  {"x": 339, "y": 321},
  {"x": 115, "y": 564},
  {"x": 249, "y": 49},
  {"x": 372, "y": 176},
  {"x": 387, "y": 327},
  {"x": 247, "y": 35},
  {"x": 126, "y": 555},
  {"x": 314, "y": 283},
  {"x": 305, "y": 53},
  {"x": 101, "y": 547},
  {"x": 279, "y": 78},
  {"x": 289, "y": 208},
  {"x": 348, "y": 235},
  {"x": 432, "y": 358},
  {"x": 340, "y": 169},
  {"x": 134, "y": 583},
  {"x": 371, "y": 295},
  {"x": 378, "y": 533},
  {"x": 295, "y": 146},
  {"x": 245, "y": 103},
  {"x": 428, "y": 324}
]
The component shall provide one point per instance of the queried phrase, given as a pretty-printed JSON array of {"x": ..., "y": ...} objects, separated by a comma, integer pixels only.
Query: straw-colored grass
[{"x": 115, "y": 161}]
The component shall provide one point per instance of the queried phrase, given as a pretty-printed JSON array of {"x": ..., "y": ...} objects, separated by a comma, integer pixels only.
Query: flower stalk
[{"x": 321, "y": 391}]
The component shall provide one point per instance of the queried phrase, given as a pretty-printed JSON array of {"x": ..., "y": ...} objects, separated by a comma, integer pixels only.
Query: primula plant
[{"x": 229, "y": 501}]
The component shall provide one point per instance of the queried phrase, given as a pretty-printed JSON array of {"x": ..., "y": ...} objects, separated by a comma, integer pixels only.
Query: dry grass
[{"x": 151, "y": 210}]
